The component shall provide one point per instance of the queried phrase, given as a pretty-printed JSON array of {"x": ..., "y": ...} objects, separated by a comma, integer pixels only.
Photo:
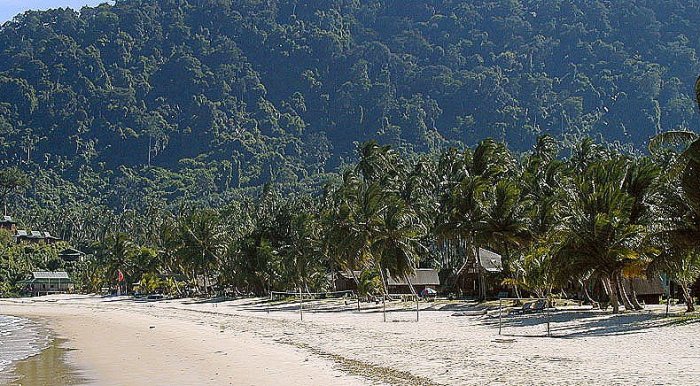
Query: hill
[{"x": 248, "y": 91}]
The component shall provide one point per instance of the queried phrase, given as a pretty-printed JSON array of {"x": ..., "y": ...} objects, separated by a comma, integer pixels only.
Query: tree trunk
[
  {"x": 611, "y": 294},
  {"x": 587, "y": 294},
  {"x": 621, "y": 288},
  {"x": 635, "y": 302},
  {"x": 687, "y": 297},
  {"x": 415, "y": 296},
  {"x": 384, "y": 285}
]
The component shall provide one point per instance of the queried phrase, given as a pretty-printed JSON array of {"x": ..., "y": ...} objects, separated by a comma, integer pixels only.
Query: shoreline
[
  {"x": 48, "y": 367},
  {"x": 119, "y": 345},
  {"x": 123, "y": 341}
]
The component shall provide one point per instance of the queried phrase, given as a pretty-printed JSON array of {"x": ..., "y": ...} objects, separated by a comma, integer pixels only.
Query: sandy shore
[{"x": 124, "y": 342}]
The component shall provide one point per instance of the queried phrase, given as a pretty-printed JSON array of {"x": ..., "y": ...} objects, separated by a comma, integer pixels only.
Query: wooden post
[
  {"x": 417, "y": 309},
  {"x": 301, "y": 306},
  {"x": 549, "y": 319},
  {"x": 500, "y": 315},
  {"x": 384, "y": 307}
]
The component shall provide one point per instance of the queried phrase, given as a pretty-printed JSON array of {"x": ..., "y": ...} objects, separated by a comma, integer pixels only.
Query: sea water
[{"x": 19, "y": 339}]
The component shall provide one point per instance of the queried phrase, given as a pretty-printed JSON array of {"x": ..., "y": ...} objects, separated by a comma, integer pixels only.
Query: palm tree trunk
[
  {"x": 687, "y": 297},
  {"x": 587, "y": 294},
  {"x": 623, "y": 293},
  {"x": 415, "y": 296},
  {"x": 612, "y": 294},
  {"x": 635, "y": 302}
]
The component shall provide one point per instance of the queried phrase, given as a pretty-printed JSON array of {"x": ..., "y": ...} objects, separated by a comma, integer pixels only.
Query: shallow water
[{"x": 20, "y": 339}]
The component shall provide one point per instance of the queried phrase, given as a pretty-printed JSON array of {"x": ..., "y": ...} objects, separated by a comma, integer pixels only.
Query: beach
[{"x": 121, "y": 341}]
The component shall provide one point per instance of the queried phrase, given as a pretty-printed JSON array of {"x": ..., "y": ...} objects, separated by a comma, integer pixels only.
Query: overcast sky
[{"x": 10, "y": 8}]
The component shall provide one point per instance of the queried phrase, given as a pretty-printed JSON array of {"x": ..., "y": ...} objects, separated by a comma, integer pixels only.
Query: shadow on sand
[{"x": 581, "y": 324}]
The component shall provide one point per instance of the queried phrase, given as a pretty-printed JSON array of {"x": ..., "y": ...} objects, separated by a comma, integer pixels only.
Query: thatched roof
[
  {"x": 422, "y": 276},
  {"x": 490, "y": 261},
  {"x": 644, "y": 286}
]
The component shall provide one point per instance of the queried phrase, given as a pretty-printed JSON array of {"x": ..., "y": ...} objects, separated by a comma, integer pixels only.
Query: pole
[
  {"x": 301, "y": 306},
  {"x": 417, "y": 310},
  {"x": 384, "y": 307},
  {"x": 549, "y": 319},
  {"x": 500, "y": 315}
]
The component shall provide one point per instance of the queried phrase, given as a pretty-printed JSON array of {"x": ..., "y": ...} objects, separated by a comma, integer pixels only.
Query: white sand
[{"x": 240, "y": 342}]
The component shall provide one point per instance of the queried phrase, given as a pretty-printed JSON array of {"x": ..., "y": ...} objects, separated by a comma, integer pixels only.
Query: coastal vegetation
[
  {"x": 257, "y": 146},
  {"x": 558, "y": 216}
]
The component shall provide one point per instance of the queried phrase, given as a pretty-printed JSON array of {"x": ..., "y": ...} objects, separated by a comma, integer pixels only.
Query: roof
[
  {"x": 35, "y": 235},
  {"x": 7, "y": 219},
  {"x": 644, "y": 286},
  {"x": 422, "y": 276},
  {"x": 50, "y": 275},
  {"x": 348, "y": 274},
  {"x": 71, "y": 252},
  {"x": 490, "y": 261}
]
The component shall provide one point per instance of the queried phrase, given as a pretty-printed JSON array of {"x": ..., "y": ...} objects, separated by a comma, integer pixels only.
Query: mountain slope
[{"x": 280, "y": 89}]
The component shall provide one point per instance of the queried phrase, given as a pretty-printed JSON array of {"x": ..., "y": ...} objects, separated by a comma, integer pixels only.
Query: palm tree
[
  {"x": 599, "y": 233},
  {"x": 203, "y": 241},
  {"x": 467, "y": 180},
  {"x": 398, "y": 240},
  {"x": 681, "y": 207}
]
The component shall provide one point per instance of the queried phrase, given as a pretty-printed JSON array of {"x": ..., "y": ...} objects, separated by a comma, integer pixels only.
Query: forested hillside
[
  {"x": 220, "y": 94},
  {"x": 219, "y": 140}
]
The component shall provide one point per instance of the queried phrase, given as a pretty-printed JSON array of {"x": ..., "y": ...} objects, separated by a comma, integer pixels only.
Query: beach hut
[
  {"x": 35, "y": 237},
  {"x": 481, "y": 277},
  {"x": 648, "y": 291},
  {"x": 422, "y": 278},
  {"x": 44, "y": 283}
]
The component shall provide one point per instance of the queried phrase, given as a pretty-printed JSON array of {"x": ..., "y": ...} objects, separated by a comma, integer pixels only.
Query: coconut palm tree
[
  {"x": 598, "y": 233},
  {"x": 203, "y": 241}
]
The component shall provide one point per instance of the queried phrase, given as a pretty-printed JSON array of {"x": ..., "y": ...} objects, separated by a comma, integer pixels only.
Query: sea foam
[{"x": 19, "y": 339}]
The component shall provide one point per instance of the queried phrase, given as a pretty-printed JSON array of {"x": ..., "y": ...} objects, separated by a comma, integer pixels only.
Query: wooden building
[
  {"x": 422, "y": 278},
  {"x": 35, "y": 237},
  {"x": 45, "y": 283},
  {"x": 482, "y": 276},
  {"x": 8, "y": 224},
  {"x": 649, "y": 291},
  {"x": 71, "y": 255}
]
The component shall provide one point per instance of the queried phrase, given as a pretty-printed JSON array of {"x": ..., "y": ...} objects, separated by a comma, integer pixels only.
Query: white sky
[{"x": 10, "y": 8}]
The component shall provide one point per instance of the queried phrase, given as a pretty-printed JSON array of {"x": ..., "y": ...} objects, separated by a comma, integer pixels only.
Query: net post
[
  {"x": 384, "y": 307},
  {"x": 417, "y": 310},
  {"x": 301, "y": 306},
  {"x": 500, "y": 315}
]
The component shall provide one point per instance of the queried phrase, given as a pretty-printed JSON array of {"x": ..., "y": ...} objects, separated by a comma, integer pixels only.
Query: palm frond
[{"x": 671, "y": 138}]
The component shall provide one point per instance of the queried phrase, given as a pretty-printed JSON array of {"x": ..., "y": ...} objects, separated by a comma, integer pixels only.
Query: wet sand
[{"x": 48, "y": 368}]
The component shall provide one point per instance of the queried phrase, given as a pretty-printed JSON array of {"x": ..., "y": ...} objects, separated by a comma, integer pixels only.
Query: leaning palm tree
[
  {"x": 397, "y": 242},
  {"x": 681, "y": 222},
  {"x": 598, "y": 234}
]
